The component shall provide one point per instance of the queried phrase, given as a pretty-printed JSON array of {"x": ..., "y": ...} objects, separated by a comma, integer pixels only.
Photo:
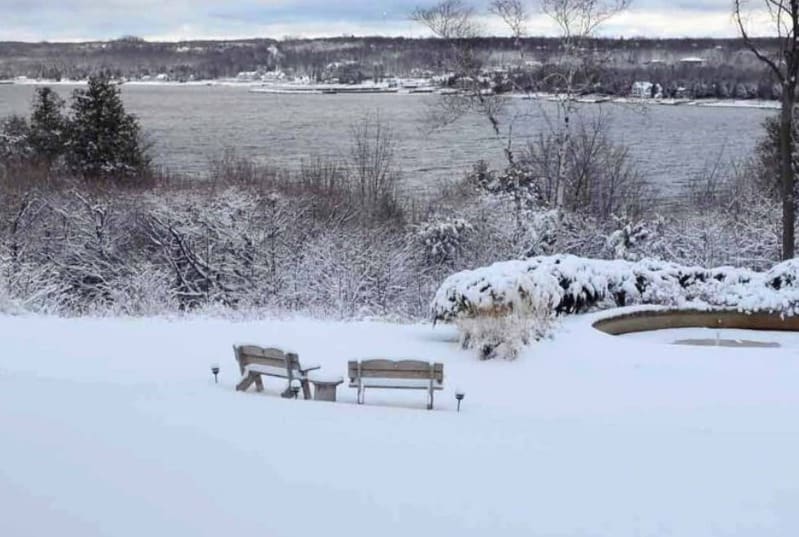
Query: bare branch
[
  {"x": 738, "y": 15},
  {"x": 449, "y": 19},
  {"x": 580, "y": 18},
  {"x": 514, "y": 15}
]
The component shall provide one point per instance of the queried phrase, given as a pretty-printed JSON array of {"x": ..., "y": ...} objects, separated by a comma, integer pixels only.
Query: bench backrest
[
  {"x": 396, "y": 369},
  {"x": 271, "y": 357}
]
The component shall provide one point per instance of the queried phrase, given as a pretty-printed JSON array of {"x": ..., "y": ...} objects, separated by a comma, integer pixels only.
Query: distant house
[
  {"x": 273, "y": 75},
  {"x": 346, "y": 72},
  {"x": 643, "y": 90}
]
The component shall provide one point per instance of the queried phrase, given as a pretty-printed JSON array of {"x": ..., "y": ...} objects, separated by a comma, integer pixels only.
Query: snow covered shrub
[
  {"x": 443, "y": 240},
  {"x": 499, "y": 310},
  {"x": 503, "y": 335},
  {"x": 15, "y": 143},
  {"x": 356, "y": 273},
  {"x": 626, "y": 241},
  {"x": 148, "y": 290},
  {"x": 7, "y": 302}
]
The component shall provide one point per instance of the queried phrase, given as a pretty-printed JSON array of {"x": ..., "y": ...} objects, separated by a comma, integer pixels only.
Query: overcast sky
[{"x": 73, "y": 20}]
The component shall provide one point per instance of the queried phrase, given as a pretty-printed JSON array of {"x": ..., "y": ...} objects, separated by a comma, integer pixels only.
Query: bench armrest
[{"x": 305, "y": 370}]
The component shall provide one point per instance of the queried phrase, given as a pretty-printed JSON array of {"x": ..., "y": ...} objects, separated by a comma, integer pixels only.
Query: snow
[
  {"x": 396, "y": 383},
  {"x": 115, "y": 427},
  {"x": 788, "y": 340},
  {"x": 266, "y": 370}
]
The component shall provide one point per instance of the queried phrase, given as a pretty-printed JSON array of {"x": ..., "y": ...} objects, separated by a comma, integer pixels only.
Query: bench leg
[
  {"x": 259, "y": 383},
  {"x": 245, "y": 383},
  {"x": 306, "y": 389},
  {"x": 430, "y": 400}
]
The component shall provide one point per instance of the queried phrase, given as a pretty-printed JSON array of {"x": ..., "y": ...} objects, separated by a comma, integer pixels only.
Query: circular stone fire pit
[{"x": 651, "y": 320}]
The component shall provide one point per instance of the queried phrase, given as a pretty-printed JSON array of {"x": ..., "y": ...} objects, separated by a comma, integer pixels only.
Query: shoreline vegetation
[{"x": 382, "y": 89}]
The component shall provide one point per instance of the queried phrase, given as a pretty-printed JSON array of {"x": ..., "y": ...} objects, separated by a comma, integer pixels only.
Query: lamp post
[
  {"x": 459, "y": 395},
  {"x": 215, "y": 371},
  {"x": 295, "y": 387}
]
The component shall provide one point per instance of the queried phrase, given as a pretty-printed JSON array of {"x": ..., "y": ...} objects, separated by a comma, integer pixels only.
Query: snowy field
[{"x": 114, "y": 427}]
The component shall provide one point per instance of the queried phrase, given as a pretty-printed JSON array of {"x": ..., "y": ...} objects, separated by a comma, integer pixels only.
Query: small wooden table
[{"x": 324, "y": 389}]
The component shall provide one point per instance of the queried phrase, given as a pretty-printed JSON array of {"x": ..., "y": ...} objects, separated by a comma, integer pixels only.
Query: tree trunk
[{"x": 786, "y": 172}]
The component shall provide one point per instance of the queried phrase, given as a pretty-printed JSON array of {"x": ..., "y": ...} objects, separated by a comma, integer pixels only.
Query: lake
[{"x": 189, "y": 124}]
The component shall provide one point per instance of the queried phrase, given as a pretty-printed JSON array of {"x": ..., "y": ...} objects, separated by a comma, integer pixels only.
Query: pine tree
[
  {"x": 105, "y": 141},
  {"x": 47, "y": 127}
]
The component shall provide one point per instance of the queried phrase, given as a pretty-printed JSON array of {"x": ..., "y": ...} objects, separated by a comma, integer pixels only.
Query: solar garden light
[
  {"x": 215, "y": 371},
  {"x": 459, "y": 395},
  {"x": 295, "y": 387}
]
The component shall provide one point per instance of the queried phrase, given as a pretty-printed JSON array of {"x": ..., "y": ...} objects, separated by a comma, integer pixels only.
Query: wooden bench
[
  {"x": 256, "y": 361},
  {"x": 397, "y": 375}
]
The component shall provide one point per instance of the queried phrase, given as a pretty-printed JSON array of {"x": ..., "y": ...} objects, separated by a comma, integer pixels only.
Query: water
[{"x": 189, "y": 125}]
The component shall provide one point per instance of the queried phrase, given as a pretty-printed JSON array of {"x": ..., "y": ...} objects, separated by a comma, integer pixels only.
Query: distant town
[{"x": 671, "y": 69}]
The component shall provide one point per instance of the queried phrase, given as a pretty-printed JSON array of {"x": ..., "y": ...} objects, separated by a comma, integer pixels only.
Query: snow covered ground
[{"x": 114, "y": 427}]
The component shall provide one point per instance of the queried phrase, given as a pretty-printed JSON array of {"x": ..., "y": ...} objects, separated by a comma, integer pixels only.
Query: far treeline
[{"x": 694, "y": 68}]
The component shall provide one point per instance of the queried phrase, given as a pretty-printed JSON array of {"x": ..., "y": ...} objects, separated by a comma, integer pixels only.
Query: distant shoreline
[{"x": 550, "y": 97}]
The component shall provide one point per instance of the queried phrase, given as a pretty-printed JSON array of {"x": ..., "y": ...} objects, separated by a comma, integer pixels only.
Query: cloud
[{"x": 71, "y": 20}]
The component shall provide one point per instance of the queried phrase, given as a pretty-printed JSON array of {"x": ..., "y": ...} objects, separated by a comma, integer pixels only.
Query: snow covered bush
[
  {"x": 503, "y": 335},
  {"x": 630, "y": 235},
  {"x": 443, "y": 239},
  {"x": 15, "y": 143},
  {"x": 539, "y": 288}
]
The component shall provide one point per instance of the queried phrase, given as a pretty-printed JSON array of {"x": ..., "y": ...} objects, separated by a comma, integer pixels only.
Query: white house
[{"x": 642, "y": 90}]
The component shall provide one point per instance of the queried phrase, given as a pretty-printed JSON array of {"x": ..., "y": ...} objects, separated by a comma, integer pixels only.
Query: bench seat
[
  {"x": 400, "y": 384},
  {"x": 268, "y": 370}
]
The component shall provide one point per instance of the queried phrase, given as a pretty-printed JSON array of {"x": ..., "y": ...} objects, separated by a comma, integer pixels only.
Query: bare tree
[
  {"x": 454, "y": 22},
  {"x": 783, "y": 62},
  {"x": 374, "y": 176},
  {"x": 514, "y": 14},
  {"x": 449, "y": 19},
  {"x": 577, "y": 20}
]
